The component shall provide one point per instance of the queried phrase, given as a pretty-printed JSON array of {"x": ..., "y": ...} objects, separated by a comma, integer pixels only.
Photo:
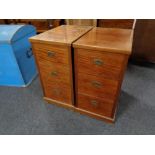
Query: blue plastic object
[{"x": 17, "y": 65}]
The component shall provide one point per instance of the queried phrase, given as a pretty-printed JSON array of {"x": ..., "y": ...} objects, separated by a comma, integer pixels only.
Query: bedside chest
[
  {"x": 53, "y": 54},
  {"x": 100, "y": 60}
]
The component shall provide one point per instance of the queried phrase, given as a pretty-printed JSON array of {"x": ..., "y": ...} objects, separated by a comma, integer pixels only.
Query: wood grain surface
[
  {"x": 62, "y": 35},
  {"x": 107, "y": 39}
]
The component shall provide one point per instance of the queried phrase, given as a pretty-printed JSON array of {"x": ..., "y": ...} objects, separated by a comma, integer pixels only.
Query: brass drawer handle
[
  {"x": 54, "y": 73},
  {"x": 50, "y": 54},
  {"x": 96, "y": 84},
  {"x": 98, "y": 62},
  {"x": 94, "y": 103}
]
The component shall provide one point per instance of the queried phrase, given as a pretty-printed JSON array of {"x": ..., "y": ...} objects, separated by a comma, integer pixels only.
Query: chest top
[
  {"x": 107, "y": 39},
  {"x": 62, "y": 35}
]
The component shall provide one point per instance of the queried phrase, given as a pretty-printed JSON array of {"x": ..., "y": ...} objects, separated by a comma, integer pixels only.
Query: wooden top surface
[
  {"x": 64, "y": 34},
  {"x": 107, "y": 39}
]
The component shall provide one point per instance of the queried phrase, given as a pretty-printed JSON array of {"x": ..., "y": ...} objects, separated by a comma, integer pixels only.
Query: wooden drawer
[
  {"x": 54, "y": 72},
  {"x": 95, "y": 105},
  {"x": 105, "y": 64},
  {"x": 57, "y": 91},
  {"x": 97, "y": 86},
  {"x": 51, "y": 53}
]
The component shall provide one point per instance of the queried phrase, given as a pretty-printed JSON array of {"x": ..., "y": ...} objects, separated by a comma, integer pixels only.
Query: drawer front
[
  {"x": 95, "y": 105},
  {"x": 96, "y": 86},
  {"x": 53, "y": 72},
  {"x": 105, "y": 64},
  {"x": 51, "y": 53},
  {"x": 58, "y": 91}
]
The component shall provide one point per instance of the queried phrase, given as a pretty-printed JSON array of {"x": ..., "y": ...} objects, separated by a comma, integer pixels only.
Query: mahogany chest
[
  {"x": 82, "y": 68},
  {"x": 100, "y": 59},
  {"x": 53, "y": 55}
]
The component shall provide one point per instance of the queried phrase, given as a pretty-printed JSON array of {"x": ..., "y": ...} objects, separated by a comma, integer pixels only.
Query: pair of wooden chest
[{"x": 82, "y": 67}]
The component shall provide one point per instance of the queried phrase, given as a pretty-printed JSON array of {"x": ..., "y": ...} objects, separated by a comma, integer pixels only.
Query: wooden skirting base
[
  {"x": 94, "y": 115},
  {"x": 68, "y": 106}
]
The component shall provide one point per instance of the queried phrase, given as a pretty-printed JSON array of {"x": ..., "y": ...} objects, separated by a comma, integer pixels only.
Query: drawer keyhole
[{"x": 50, "y": 54}]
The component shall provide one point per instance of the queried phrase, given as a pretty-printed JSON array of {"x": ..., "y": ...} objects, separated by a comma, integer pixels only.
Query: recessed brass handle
[
  {"x": 50, "y": 54},
  {"x": 94, "y": 103},
  {"x": 54, "y": 73},
  {"x": 98, "y": 62},
  {"x": 96, "y": 84}
]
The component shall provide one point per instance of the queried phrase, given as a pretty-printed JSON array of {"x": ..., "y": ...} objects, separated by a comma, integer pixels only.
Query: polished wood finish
[
  {"x": 58, "y": 92},
  {"x": 55, "y": 74},
  {"x": 107, "y": 39},
  {"x": 116, "y": 23},
  {"x": 96, "y": 86},
  {"x": 103, "y": 64},
  {"x": 95, "y": 105},
  {"x": 82, "y": 69},
  {"x": 62, "y": 35},
  {"x": 100, "y": 59},
  {"x": 53, "y": 54},
  {"x": 59, "y": 103},
  {"x": 144, "y": 41}
]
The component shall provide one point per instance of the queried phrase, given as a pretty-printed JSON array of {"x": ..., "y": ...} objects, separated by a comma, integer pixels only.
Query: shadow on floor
[
  {"x": 125, "y": 102},
  {"x": 142, "y": 64}
]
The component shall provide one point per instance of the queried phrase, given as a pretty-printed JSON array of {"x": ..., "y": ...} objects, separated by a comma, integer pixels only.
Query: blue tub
[{"x": 17, "y": 65}]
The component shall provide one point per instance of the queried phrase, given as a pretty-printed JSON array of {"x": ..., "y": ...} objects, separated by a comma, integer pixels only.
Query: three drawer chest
[
  {"x": 82, "y": 68},
  {"x": 53, "y": 55},
  {"x": 100, "y": 59}
]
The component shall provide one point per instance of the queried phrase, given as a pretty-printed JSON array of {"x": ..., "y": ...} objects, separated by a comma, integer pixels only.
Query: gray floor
[{"x": 22, "y": 110}]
